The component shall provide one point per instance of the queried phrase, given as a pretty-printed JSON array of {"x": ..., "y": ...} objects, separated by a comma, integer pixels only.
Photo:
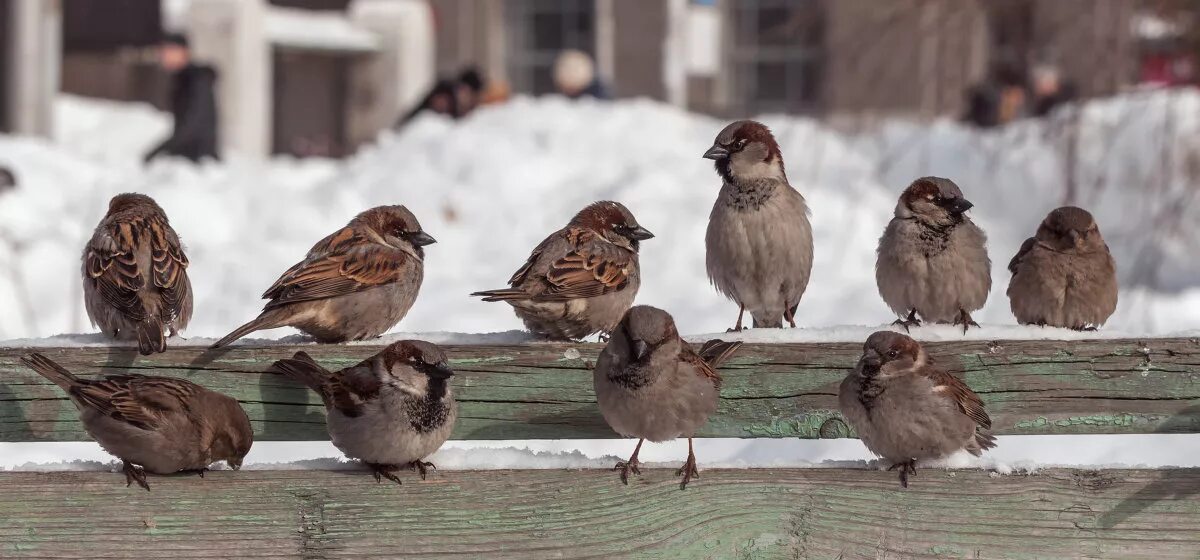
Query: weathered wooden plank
[
  {"x": 760, "y": 513},
  {"x": 787, "y": 390}
]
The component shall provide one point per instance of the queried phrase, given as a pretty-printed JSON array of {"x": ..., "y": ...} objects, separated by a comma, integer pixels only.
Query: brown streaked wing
[
  {"x": 140, "y": 401},
  {"x": 593, "y": 269},
  {"x": 111, "y": 265},
  {"x": 347, "y": 268},
  {"x": 966, "y": 399},
  {"x": 349, "y": 388}
]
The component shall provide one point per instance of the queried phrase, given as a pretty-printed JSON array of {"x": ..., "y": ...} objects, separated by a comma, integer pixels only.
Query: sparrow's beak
[
  {"x": 441, "y": 370},
  {"x": 1075, "y": 237},
  {"x": 640, "y": 348},
  {"x": 640, "y": 234},
  {"x": 959, "y": 206},
  {"x": 421, "y": 239},
  {"x": 716, "y": 152},
  {"x": 869, "y": 363}
]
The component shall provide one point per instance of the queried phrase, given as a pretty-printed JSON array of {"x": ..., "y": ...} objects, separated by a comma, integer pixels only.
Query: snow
[{"x": 321, "y": 30}]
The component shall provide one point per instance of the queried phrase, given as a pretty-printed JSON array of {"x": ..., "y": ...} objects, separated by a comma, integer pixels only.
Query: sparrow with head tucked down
[
  {"x": 135, "y": 282},
  {"x": 355, "y": 284},
  {"x": 933, "y": 259},
  {"x": 390, "y": 411},
  {"x": 759, "y": 244},
  {"x": 1064, "y": 275},
  {"x": 159, "y": 424},
  {"x": 581, "y": 279},
  {"x": 652, "y": 385},
  {"x": 906, "y": 409}
]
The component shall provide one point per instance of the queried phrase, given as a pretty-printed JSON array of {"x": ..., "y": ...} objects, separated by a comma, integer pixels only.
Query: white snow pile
[{"x": 493, "y": 185}]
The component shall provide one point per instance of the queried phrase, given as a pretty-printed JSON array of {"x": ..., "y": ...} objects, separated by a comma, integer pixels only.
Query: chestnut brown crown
[
  {"x": 395, "y": 221},
  {"x": 889, "y": 352},
  {"x": 610, "y": 220}
]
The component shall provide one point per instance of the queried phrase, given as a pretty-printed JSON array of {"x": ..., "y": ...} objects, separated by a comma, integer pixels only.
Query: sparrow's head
[
  {"x": 233, "y": 435},
  {"x": 397, "y": 226},
  {"x": 745, "y": 151},
  {"x": 644, "y": 328},
  {"x": 133, "y": 204},
  {"x": 888, "y": 353},
  {"x": 614, "y": 222},
  {"x": 1070, "y": 229},
  {"x": 415, "y": 367},
  {"x": 933, "y": 200}
]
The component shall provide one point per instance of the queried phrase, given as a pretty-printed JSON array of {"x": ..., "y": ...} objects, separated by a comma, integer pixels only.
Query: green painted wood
[
  {"x": 734, "y": 514},
  {"x": 544, "y": 391}
]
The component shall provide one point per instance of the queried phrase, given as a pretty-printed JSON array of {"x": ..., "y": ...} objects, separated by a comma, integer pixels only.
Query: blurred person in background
[
  {"x": 575, "y": 76},
  {"x": 468, "y": 91},
  {"x": 457, "y": 97},
  {"x": 8, "y": 181},
  {"x": 1048, "y": 90},
  {"x": 193, "y": 103},
  {"x": 1001, "y": 99}
]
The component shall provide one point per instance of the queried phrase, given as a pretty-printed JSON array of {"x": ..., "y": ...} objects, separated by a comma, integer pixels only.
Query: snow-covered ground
[{"x": 493, "y": 185}]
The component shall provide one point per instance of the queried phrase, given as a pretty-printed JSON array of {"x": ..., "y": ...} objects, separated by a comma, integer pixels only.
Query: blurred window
[
  {"x": 540, "y": 30},
  {"x": 776, "y": 55}
]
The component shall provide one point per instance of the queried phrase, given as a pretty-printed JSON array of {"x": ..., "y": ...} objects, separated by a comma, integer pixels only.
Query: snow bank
[{"x": 493, "y": 185}]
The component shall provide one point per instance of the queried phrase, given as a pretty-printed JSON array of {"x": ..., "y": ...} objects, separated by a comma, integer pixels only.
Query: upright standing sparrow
[
  {"x": 759, "y": 242},
  {"x": 1064, "y": 276},
  {"x": 135, "y": 282},
  {"x": 164, "y": 424},
  {"x": 933, "y": 259},
  {"x": 355, "y": 284},
  {"x": 905, "y": 409},
  {"x": 650, "y": 384},
  {"x": 582, "y": 278},
  {"x": 390, "y": 411}
]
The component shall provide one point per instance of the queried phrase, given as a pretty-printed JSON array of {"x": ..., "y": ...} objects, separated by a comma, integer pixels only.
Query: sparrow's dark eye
[
  {"x": 893, "y": 353},
  {"x": 741, "y": 143}
]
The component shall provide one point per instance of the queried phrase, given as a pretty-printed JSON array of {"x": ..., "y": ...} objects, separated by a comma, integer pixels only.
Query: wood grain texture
[
  {"x": 736, "y": 514},
  {"x": 539, "y": 391}
]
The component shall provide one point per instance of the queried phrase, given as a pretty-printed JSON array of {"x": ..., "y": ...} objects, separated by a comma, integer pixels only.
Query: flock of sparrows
[{"x": 397, "y": 407}]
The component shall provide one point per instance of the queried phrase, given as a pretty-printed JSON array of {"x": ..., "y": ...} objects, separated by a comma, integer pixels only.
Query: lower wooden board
[{"x": 736, "y": 514}]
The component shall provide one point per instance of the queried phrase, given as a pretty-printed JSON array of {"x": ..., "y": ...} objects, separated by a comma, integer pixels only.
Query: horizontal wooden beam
[
  {"x": 759, "y": 513},
  {"x": 544, "y": 391}
]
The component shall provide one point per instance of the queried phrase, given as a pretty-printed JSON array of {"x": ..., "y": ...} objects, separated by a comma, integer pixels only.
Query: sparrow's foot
[
  {"x": 604, "y": 337},
  {"x": 420, "y": 466},
  {"x": 790, "y": 315},
  {"x": 911, "y": 321},
  {"x": 738, "y": 326},
  {"x": 965, "y": 320},
  {"x": 688, "y": 471},
  {"x": 382, "y": 471},
  {"x": 136, "y": 474},
  {"x": 199, "y": 472},
  {"x": 631, "y": 465},
  {"x": 1084, "y": 328},
  {"x": 906, "y": 468}
]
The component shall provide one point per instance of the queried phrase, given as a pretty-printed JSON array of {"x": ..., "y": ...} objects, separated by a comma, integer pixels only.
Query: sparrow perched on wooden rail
[
  {"x": 159, "y": 424},
  {"x": 1064, "y": 275},
  {"x": 390, "y": 411},
  {"x": 933, "y": 259},
  {"x": 135, "y": 282},
  {"x": 759, "y": 246},
  {"x": 906, "y": 409},
  {"x": 652, "y": 385},
  {"x": 355, "y": 284},
  {"x": 581, "y": 279}
]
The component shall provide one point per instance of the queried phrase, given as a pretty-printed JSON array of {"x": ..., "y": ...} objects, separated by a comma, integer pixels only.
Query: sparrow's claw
[
  {"x": 688, "y": 471},
  {"x": 965, "y": 320},
  {"x": 627, "y": 467},
  {"x": 911, "y": 321},
  {"x": 906, "y": 468},
  {"x": 420, "y": 467},
  {"x": 136, "y": 474},
  {"x": 384, "y": 471}
]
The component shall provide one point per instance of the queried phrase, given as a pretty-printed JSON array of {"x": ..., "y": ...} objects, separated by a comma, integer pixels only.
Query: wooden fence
[{"x": 543, "y": 391}]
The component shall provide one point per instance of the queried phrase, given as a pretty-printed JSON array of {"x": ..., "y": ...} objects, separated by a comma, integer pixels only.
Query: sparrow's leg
[
  {"x": 420, "y": 467},
  {"x": 790, "y": 315},
  {"x": 382, "y": 471},
  {"x": 738, "y": 326},
  {"x": 604, "y": 337},
  {"x": 965, "y": 320},
  {"x": 136, "y": 474},
  {"x": 911, "y": 321},
  {"x": 173, "y": 332},
  {"x": 631, "y": 465},
  {"x": 688, "y": 470},
  {"x": 195, "y": 471},
  {"x": 1084, "y": 328},
  {"x": 906, "y": 468}
]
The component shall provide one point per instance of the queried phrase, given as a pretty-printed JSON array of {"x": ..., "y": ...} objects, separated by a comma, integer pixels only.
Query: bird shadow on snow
[{"x": 1172, "y": 484}]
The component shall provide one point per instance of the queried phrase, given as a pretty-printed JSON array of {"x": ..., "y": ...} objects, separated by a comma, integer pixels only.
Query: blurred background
[{"x": 263, "y": 125}]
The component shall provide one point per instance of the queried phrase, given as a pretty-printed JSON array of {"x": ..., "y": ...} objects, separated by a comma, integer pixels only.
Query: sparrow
[
  {"x": 652, "y": 385},
  {"x": 390, "y": 411},
  {"x": 1064, "y": 276},
  {"x": 159, "y": 424},
  {"x": 355, "y": 284},
  {"x": 581, "y": 279},
  {"x": 759, "y": 245},
  {"x": 933, "y": 259},
  {"x": 135, "y": 281},
  {"x": 906, "y": 409}
]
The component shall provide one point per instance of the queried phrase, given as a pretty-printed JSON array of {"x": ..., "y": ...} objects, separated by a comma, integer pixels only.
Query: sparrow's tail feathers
[
  {"x": 506, "y": 294},
  {"x": 150, "y": 336},
  {"x": 716, "y": 351},
  {"x": 304, "y": 369},
  {"x": 53, "y": 372},
  {"x": 268, "y": 320},
  {"x": 983, "y": 440}
]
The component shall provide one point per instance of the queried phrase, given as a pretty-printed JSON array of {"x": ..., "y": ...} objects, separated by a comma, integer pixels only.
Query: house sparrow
[
  {"x": 933, "y": 259},
  {"x": 1064, "y": 276},
  {"x": 159, "y": 424},
  {"x": 651, "y": 385},
  {"x": 582, "y": 278},
  {"x": 135, "y": 281},
  {"x": 355, "y": 284},
  {"x": 906, "y": 410},
  {"x": 390, "y": 411},
  {"x": 759, "y": 243}
]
